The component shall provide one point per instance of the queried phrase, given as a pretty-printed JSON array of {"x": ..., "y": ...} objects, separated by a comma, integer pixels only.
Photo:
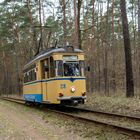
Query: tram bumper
[{"x": 74, "y": 100}]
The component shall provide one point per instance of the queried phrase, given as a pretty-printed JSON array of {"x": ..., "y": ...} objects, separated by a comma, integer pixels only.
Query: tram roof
[{"x": 50, "y": 51}]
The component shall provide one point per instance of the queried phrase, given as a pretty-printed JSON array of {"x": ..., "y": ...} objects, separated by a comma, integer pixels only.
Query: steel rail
[
  {"x": 128, "y": 130},
  {"x": 104, "y": 113},
  {"x": 17, "y": 100},
  {"x": 120, "y": 128}
]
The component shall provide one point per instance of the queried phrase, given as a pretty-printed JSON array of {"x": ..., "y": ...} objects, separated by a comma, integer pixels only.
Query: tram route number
[{"x": 62, "y": 86}]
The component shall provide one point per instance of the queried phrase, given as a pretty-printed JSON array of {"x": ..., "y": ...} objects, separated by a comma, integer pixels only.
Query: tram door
[{"x": 45, "y": 75}]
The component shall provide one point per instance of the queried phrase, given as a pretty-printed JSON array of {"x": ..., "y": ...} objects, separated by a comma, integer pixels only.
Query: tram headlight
[{"x": 73, "y": 89}]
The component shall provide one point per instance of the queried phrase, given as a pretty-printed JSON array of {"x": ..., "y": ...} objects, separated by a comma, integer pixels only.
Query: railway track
[
  {"x": 85, "y": 115},
  {"x": 104, "y": 113}
]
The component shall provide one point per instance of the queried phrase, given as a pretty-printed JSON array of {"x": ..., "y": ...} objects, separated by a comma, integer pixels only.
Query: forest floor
[
  {"x": 18, "y": 122},
  {"x": 115, "y": 104}
]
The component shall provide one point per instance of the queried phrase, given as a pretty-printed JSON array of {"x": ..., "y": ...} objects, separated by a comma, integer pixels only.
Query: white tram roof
[{"x": 50, "y": 51}]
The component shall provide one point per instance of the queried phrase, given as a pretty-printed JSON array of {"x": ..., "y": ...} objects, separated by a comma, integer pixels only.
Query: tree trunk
[
  {"x": 29, "y": 10},
  {"x": 92, "y": 71},
  {"x": 78, "y": 23},
  {"x": 64, "y": 21},
  {"x": 127, "y": 48},
  {"x": 32, "y": 26},
  {"x": 106, "y": 70},
  {"x": 139, "y": 23},
  {"x": 139, "y": 37},
  {"x": 75, "y": 19},
  {"x": 113, "y": 51},
  {"x": 41, "y": 29}
]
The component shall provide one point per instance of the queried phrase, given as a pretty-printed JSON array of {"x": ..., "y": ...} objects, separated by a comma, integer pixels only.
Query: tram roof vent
[{"x": 69, "y": 48}]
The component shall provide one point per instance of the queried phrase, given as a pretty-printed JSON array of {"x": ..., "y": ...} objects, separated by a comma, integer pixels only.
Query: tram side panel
[
  {"x": 50, "y": 93},
  {"x": 32, "y": 92}
]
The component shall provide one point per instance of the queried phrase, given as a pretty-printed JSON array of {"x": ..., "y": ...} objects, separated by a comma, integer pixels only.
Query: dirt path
[{"x": 21, "y": 123}]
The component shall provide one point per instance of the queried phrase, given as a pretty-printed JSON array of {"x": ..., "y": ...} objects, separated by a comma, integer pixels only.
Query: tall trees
[
  {"x": 97, "y": 29},
  {"x": 14, "y": 32},
  {"x": 127, "y": 47}
]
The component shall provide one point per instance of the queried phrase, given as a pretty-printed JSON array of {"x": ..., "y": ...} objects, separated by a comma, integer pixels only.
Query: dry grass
[{"x": 117, "y": 104}]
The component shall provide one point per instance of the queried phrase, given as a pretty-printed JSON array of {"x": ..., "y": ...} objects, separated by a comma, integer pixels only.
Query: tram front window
[{"x": 71, "y": 69}]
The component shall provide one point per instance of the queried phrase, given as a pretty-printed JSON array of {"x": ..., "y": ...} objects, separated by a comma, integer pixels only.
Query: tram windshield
[{"x": 71, "y": 69}]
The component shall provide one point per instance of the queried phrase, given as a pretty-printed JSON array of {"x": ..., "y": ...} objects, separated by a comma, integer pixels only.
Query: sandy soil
[{"x": 17, "y": 123}]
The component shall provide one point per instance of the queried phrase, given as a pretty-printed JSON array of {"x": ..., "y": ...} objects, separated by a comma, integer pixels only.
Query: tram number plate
[{"x": 62, "y": 86}]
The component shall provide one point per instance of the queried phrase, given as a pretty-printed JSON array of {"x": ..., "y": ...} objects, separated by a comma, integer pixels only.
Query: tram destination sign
[{"x": 70, "y": 57}]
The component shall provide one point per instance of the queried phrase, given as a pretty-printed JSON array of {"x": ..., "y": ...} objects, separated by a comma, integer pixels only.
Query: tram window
[
  {"x": 71, "y": 69},
  {"x": 30, "y": 76},
  {"x": 82, "y": 67},
  {"x": 47, "y": 73},
  {"x": 25, "y": 78},
  {"x": 45, "y": 68},
  {"x": 33, "y": 75},
  {"x": 52, "y": 67},
  {"x": 60, "y": 68}
]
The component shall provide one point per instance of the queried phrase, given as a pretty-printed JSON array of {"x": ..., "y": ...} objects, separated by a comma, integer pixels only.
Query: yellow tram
[{"x": 55, "y": 76}]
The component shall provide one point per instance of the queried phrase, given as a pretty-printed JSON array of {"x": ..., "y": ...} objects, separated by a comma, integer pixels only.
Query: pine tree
[{"x": 127, "y": 48}]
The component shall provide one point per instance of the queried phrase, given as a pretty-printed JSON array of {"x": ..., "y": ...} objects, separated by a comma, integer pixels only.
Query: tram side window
[
  {"x": 60, "y": 68},
  {"x": 30, "y": 76},
  {"x": 25, "y": 77},
  {"x": 52, "y": 67},
  {"x": 34, "y": 75},
  {"x": 45, "y": 69},
  {"x": 82, "y": 67}
]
